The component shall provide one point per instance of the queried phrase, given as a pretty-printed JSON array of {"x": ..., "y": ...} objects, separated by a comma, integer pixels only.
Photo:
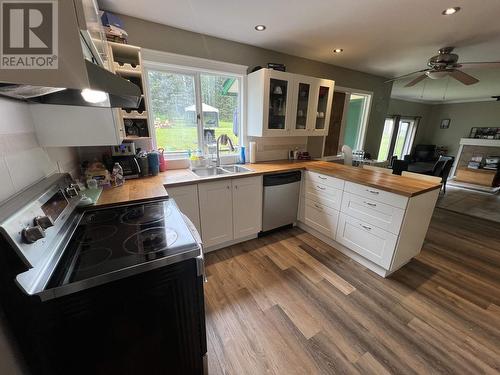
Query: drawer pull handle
[
  {"x": 323, "y": 178},
  {"x": 371, "y": 204},
  {"x": 320, "y": 188},
  {"x": 365, "y": 227},
  {"x": 318, "y": 207},
  {"x": 372, "y": 191}
]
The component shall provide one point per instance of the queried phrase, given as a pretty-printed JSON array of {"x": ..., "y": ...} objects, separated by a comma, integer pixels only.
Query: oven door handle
[
  {"x": 137, "y": 165},
  {"x": 200, "y": 259}
]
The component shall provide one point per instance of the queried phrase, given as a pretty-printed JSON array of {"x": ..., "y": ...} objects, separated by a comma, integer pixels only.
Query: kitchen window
[{"x": 191, "y": 107}]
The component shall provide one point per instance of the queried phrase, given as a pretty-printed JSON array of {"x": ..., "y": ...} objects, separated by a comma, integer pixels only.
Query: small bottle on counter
[{"x": 117, "y": 175}]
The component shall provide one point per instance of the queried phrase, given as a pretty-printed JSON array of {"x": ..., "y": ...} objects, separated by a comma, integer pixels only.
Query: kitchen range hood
[{"x": 81, "y": 77}]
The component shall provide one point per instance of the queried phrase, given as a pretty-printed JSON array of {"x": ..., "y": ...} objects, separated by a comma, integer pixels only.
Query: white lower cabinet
[
  {"x": 367, "y": 240},
  {"x": 230, "y": 209},
  {"x": 247, "y": 206},
  {"x": 216, "y": 212},
  {"x": 320, "y": 217},
  {"x": 386, "y": 229},
  {"x": 186, "y": 198}
]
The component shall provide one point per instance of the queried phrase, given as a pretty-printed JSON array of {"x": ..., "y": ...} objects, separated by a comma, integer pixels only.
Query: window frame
[
  {"x": 409, "y": 137},
  {"x": 194, "y": 66}
]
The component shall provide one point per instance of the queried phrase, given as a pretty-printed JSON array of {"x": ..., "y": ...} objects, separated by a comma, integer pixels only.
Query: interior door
[{"x": 333, "y": 137}]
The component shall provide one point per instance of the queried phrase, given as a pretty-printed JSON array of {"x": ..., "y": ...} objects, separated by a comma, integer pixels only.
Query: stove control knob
[
  {"x": 44, "y": 222},
  {"x": 32, "y": 234},
  {"x": 71, "y": 192}
]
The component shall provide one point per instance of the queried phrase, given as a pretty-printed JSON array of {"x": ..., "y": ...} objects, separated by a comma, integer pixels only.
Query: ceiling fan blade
[
  {"x": 465, "y": 78},
  {"x": 416, "y": 80},
  {"x": 406, "y": 75},
  {"x": 475, "y": 65}
]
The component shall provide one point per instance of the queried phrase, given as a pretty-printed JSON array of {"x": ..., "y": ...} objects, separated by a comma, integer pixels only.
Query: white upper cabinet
[
  {"x": 323, "y": 100},
  {"x": 287, "y": 104}
]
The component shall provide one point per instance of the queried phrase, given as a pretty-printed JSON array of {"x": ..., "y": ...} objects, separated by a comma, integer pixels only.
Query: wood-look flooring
[
  {"x": 472, "y": 203},
  {"x": 290, "y": 304}
]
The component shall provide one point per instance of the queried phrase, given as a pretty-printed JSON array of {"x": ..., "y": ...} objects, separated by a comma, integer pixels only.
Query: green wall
[
  {"x": 353, "y": 122},
  {"x": 165, "y": 38}
]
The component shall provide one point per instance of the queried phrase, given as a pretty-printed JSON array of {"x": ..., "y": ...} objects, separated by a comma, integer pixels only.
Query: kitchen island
[{"x": 379, "y": 220}]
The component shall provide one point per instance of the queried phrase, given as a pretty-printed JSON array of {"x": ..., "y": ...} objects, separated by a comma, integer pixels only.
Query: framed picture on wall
[{"x": 445, "y": 123}]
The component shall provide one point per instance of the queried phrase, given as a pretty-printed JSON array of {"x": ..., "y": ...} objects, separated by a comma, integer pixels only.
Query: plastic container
[
  {"x": 117, "y": 175},
  {"x": 154, "y": 163},
  {"x": 242, "y": 155}
]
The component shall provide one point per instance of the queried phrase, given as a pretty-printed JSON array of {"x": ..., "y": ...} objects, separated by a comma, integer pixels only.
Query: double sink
[{"x": 216, "y": 171}]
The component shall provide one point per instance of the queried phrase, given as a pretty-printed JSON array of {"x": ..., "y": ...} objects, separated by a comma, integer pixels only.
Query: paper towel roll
[{"x": 253, "y": 152}]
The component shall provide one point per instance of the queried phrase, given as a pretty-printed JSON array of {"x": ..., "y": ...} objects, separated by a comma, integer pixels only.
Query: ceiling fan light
[{"x": 437, "y": 74}]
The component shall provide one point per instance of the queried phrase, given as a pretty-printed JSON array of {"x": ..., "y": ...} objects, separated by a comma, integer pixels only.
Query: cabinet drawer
[
  {"x": 373, "y": 243},
  {"x": 323, "y": 194},
  {"x": 320, "y": 217},
  {"x": 376, "y": 213},
  {"x": 325, "y": 180},
  {"x": 377, "y": 194}
]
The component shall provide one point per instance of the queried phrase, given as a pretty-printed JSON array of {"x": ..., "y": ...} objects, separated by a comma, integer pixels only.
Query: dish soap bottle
[{"x": 117, "y": 175}]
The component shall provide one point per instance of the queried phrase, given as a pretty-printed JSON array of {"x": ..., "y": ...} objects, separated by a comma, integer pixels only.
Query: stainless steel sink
[
  {"x": 216, "y": 171},
  {"x": 207, "y": 172},
  {"x": 235, "y": 168}
]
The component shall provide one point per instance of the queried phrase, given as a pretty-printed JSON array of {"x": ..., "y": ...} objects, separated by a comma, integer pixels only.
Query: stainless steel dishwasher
[{"x": 281, "y": 200}]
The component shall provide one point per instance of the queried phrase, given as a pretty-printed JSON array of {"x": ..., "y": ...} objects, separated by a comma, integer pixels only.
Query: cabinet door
[
  {"x": 303, "y": 106},
  {"x": 67, "y": 125},
  {"x": 324, "y": 95},
  {"x": 320, "y": 217},
  {"x": 278, "y": 103},
  {"x": 216, "y": 212},
  {"x": 186, "y": 198},
  {"x": 367, "y": 240},
  {"x": 247, "y": 206}
]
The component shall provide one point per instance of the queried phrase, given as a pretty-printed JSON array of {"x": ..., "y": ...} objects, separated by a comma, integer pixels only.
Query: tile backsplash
[{"x": 22, "y": 160}]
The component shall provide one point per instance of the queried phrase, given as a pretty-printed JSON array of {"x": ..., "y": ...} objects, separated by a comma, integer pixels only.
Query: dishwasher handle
[{"x": 282, "y": 178}]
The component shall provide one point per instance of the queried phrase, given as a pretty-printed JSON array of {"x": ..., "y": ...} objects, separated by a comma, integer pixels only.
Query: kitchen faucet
[{"x": 224, "y": 139}]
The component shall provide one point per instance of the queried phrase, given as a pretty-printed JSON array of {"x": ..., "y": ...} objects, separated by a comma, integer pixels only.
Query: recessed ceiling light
[
  {"x": 450, "y": 11},
  {"x": 260, "y": 27},
  {"x": 338, "y": 50}
]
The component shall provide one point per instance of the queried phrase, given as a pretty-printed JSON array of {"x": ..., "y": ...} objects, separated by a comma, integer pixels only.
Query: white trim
[
  {"x": 480, "y": 142},
  {"x": 153, "y": 59},
  {"x": 182, "y": 64}
]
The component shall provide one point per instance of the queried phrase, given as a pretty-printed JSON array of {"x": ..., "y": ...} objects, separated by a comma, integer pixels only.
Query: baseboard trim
[{"x": 229, "y": 243}]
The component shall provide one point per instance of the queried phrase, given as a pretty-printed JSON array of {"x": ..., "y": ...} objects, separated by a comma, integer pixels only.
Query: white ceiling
[{"x": 383, "y": 37}]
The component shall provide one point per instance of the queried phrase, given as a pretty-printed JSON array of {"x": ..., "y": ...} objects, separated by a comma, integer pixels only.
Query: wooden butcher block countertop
[{"x": 152, "y": 188}]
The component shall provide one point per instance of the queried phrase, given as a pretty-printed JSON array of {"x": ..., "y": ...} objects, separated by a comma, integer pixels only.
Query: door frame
[{"x": 366, "y": 116}]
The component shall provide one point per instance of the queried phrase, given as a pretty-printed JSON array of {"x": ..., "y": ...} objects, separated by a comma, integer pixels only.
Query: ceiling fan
[{"x": 444, "y": 64}]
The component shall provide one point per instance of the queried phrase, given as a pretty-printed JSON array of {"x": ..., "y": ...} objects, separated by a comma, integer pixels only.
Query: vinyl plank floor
[{"x": 288, "y": 303}]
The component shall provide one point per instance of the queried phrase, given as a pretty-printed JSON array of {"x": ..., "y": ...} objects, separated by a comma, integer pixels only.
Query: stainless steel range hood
[{"x": 81, "y": 65}]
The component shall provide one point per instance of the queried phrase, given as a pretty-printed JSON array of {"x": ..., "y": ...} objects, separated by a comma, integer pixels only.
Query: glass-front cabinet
[
  {"x": 304, "y": 107},
  {"x": 287, "y": 104},
  {"x": 278, "y": 100},
  {"x": 324, "y": 96}
]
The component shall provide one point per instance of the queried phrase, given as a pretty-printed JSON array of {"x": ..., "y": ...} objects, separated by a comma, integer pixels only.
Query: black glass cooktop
[{"x": 112, "y": 239}]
